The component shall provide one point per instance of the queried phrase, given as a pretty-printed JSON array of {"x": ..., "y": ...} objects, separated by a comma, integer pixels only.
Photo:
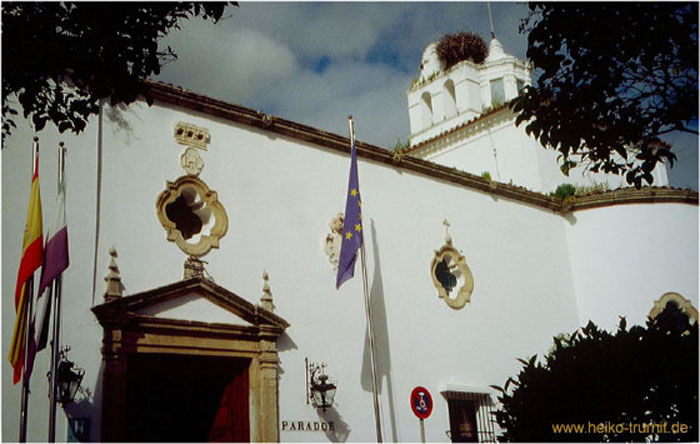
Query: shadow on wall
[
  {"x": 116, "y": 115},
  {"x": 381, "y": 340},
  {"x": 340, "y": 431},
  {"x": 571, "y": 218},
  {"x": 284, "y": 343}
]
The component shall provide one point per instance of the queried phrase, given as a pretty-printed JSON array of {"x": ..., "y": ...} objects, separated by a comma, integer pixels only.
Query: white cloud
[
  {"x": 318, "y": 29},
  {"x": 258, "y": 66},
  {"x": 373, "y": 94},
  {"x": 234, "y": 66}
]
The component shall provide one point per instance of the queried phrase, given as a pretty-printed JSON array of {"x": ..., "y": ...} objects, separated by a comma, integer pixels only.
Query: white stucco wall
[
  {"x": 280, "y": 196},
  {"x": 624, "y": 258},
  {"x": 503, "y": 151},
  {"x": 530, "y": 266},
  {"x": 521, "y": 159}
]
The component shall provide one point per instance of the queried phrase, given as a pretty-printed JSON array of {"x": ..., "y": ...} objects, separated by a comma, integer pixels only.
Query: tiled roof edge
[{"x": 456, "y": 128}]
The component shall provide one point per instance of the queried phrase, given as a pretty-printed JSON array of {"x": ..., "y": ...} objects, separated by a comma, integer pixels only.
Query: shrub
[
  {"x": 564, "y": 190},
  {"x": 636, "y": 376}
]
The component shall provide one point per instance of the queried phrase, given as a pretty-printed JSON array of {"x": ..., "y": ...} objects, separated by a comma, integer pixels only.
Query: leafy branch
[{"x": 61, "y": 58}]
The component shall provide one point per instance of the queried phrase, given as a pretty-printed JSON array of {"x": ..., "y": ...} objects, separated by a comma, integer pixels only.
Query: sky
[{"x": 316, "y": 63}]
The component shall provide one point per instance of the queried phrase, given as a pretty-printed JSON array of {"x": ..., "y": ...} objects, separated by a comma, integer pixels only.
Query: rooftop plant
[{"x": 460, "y": 46}]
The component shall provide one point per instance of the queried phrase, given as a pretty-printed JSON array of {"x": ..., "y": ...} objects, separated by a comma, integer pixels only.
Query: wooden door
[
  {"x": 175, "y": 398},
  {"x": 231, "y": 420}
]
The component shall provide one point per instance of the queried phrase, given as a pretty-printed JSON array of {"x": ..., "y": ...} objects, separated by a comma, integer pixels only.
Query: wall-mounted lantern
[
  {"x": 318, "y": 390},
  {"x": 69, "y": 377}
]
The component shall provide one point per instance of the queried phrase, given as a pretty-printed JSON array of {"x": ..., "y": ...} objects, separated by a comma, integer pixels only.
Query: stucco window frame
[
  {"x": 684, "y": 305},
  {"x": 207, "y": 241},
  {"x": 463, "y": 293}
]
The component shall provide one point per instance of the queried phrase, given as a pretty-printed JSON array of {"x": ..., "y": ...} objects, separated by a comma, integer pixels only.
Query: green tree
[
  {"x": 59, "y": 59},
  {"x": 613, "y": 78},
  {"x": 634, "y": 376}
]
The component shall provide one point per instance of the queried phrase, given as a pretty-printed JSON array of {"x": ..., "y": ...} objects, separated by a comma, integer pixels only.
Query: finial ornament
[
  {"x": 266, "y": 298},
  {"x": 115, "y": 288},
  {"x": 448, "y": 238}
]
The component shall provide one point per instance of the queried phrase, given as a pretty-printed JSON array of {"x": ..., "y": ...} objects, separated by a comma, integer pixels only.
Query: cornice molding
[
  {"x": 634, "y": 196},
  {"x": 180, "y": 97}
]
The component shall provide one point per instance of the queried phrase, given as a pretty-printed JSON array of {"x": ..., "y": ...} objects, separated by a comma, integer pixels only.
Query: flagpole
[
  {"x": 55, "y": 343},
  {"x": 29, "y": 287},
  {"x": 368, "y": 315},
  {"x": 493, "y": 34},
  {"x": 54, "y": 358}
]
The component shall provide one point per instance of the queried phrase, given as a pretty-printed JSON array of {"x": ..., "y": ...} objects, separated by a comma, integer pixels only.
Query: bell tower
[{"x": 441, "y": 99}]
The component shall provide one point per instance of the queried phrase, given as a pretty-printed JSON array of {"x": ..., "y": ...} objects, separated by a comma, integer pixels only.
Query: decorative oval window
[
  {"x": 192, "y": 215},
  {"x": 451, "y": 275}
]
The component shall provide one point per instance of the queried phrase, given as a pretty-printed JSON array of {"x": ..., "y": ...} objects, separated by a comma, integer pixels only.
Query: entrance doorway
[{"x": 186, "y": 398}]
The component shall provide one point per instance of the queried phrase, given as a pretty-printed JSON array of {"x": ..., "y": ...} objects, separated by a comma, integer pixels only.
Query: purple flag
[
  {"x": 56, "y": 249},
  {"x": 55, "y": 262},
  {"x": 352, "y": 227}
]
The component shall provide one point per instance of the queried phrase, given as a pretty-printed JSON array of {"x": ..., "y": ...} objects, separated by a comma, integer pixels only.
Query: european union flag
[{"x": 352, "y": 227}]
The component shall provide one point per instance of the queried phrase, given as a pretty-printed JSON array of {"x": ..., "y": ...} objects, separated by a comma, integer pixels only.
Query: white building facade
[{"x": 225, "y": 352}]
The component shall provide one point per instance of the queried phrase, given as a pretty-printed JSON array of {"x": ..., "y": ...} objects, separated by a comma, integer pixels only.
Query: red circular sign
[{"x": 421, "y": 402}]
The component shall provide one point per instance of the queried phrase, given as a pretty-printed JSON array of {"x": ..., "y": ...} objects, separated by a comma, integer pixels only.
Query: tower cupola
[{"x": 441, "y": 98}]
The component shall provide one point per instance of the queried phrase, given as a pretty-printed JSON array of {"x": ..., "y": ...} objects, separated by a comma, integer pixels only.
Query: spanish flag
[{"x": 32, "y": 258}]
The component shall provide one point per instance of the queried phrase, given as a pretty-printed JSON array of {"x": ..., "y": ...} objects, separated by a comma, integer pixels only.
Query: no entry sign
[{"x": 421, "y": 402}]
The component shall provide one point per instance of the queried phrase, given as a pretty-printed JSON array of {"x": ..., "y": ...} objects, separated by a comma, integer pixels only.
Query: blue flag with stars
[{"x": 352, "y": 227}]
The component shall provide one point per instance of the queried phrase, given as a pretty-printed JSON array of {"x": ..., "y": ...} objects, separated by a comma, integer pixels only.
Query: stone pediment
[
  {"x": 196, "y": 302},
  {"x": 192, "y": 307},
  {"x": 190, "y": 319}
]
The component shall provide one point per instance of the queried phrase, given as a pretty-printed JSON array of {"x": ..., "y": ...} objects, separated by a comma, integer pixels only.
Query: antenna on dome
[{"x": 493, "y": 34}]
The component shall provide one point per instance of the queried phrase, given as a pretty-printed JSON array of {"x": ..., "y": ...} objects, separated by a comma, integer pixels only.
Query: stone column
[
  {"x": 269, "y": 419},
  {"x": 113, "y": 389}
]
